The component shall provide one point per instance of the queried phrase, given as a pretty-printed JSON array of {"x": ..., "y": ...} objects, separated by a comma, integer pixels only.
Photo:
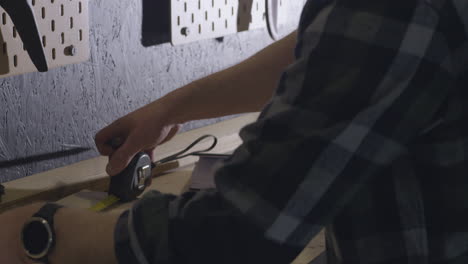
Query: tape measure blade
[{"x": 104, "y": 204}]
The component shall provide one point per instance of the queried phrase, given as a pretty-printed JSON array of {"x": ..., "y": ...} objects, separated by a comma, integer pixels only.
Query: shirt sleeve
[{"x": 367, "y": 80}]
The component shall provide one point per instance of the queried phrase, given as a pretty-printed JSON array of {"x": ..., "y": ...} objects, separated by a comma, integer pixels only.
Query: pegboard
[
  {"x": 193, "y": 20},
  {"x": 64, "y": 26},
  {"x": 284, "y": 5},
  {"x": 256, "y": 18}
]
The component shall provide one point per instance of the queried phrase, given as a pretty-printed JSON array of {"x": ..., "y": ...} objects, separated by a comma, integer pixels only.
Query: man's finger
[
  {"x": 116, "y": 129},
  {"x": 122, "y": 157},
  {"x": 104, "y": 149},
  {"x": 172, "y": 133}
]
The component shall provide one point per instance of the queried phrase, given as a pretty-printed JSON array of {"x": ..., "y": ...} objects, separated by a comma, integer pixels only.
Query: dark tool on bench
[
  {"x": 42, "y": 157},
  {"x": 133, "y": 180},
  {"x": 22, "y": 14},
  {"x": 39, "y": 158},
  {"x": 2, "y": 191}
]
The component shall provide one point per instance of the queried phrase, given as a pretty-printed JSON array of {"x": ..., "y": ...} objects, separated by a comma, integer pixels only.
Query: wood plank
[
  {"x": 315, "y": 247},
  {"x": 175, "y": 182},
  {"x": 90, "y": 174},
  {"x": 61, "y": 182}
]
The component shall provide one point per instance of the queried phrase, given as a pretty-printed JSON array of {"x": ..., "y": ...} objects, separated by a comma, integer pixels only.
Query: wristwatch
[{"x": 38, "y": 234}]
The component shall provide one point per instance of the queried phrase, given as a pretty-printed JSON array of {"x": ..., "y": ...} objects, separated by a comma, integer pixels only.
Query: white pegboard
[
  {"x": 256, "y": 18},
  {"x": 284, "y": 5},
  {"x": 193, "y": 20},
  {"x": 62, "y": 24}
]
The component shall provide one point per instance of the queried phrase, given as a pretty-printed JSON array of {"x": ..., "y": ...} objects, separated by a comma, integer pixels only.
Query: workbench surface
[
  {"x": 68, "y": 185},
  {"x": 176, "y": 182}
]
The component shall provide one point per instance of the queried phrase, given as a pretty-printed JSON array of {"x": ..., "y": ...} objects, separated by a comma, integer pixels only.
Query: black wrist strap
[{"x": 47, "y": 212}]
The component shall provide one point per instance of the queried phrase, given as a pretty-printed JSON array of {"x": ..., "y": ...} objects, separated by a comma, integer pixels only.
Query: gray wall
[{"x": 43, "y": 113}]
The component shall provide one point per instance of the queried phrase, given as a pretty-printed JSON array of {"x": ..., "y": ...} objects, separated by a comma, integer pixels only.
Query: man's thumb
[{"x": 121, "y": 158}]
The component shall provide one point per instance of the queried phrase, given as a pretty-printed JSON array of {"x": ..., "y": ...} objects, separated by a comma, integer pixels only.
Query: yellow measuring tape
[
  {"x": 104, "y": 204},
  {"x": 122, "y": 184}
]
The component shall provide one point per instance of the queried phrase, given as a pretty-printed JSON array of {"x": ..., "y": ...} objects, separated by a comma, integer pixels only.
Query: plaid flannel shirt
[{"x": 367, "y": 136}]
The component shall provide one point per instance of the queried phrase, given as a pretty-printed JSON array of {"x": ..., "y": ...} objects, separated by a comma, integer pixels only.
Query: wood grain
[
  {"x": 67, "y": 184},
  {"x": 177, "y": 182},
  {"x": 61, "y": 182}
]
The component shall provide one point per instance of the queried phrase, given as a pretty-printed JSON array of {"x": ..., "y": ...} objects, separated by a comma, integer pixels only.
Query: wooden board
[
  {"x": 315, "y": 247},
  {"x": 61, "y": 182},
  {"x": 176, "y": 183}
]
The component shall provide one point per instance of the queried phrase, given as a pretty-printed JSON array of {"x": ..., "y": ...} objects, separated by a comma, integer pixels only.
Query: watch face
[{"x": 37, "y": 238}]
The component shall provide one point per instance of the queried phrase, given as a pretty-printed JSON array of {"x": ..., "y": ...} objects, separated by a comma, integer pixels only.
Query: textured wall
[{"x": 43, "y": 113}]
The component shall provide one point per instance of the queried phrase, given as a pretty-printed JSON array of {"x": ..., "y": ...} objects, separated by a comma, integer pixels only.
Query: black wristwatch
[{"x": 38, "y": 234}]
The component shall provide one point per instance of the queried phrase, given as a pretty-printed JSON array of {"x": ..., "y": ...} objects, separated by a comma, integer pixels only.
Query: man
[{"x": 365, "y": 136}]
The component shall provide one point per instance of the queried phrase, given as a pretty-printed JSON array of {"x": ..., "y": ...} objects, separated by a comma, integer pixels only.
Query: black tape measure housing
[{"x": 132, "y": 181}]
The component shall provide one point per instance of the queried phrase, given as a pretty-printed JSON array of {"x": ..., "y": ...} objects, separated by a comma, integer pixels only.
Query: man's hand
[
  {"x": 141, "y": 130},
  {"x": 11, "y": 224},
  {"x": 246, "y": 87}
]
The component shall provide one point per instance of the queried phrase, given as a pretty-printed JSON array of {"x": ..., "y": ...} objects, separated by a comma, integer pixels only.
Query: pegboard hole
[
  {"x": 206, "y": 15},
  {"x": 199, "y": 4},
  {"x": 54, "y": 54},
  {"x": 52, "y": 1},
  {"x": 44, "y": 41},
  {"x": 62, "y": 38},
  {"x": 71, "y": 22},
  {"x": 212, "y": 3},
  {"x": 62, "y": 10},
  {"x": 213, "y": 26},
  {"x": 15, "y": 33},
  {"x": 43, "y": 12},
  {"x": 33, "y": 2},
  {"x": 199, "y": 29},
  {"x": 226, "y": 23},
  {"x": 193, "y": 18},
  {"x": 52, "y": 25},
  {"x": 4, "y": 18},
  {"x": 81, "y": 35},
  {"x": 80, "y": 7},
  {"x": 15, "y": 60},
  {"x": 185, "y": 7},
  {"x": 178, "y": 20},
  {"x": 219, "y": 13}
]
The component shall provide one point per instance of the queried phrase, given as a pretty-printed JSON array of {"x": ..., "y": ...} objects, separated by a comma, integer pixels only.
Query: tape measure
[
  {"x": 104, "y": 204},
  {"x": 129, "y": 184},
  {"x": 133, "y": 180}
]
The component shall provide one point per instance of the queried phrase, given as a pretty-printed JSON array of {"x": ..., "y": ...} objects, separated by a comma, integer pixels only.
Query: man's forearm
[
  {"x": 81, "y": 236},
  {"x": 84, "y": 237},
  {"x": 246, "y": 87}
]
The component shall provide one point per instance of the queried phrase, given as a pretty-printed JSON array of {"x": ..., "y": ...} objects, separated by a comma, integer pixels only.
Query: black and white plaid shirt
[{"x": 367, "y": 136}]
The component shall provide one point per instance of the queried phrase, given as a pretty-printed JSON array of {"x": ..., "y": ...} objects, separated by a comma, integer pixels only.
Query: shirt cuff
[
  {"x": 123, "y": 249},
  {"x": 141, "y": 233}
]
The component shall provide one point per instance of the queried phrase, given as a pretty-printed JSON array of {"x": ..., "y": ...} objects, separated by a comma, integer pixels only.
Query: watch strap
[{"x": 47, "y": 212}]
